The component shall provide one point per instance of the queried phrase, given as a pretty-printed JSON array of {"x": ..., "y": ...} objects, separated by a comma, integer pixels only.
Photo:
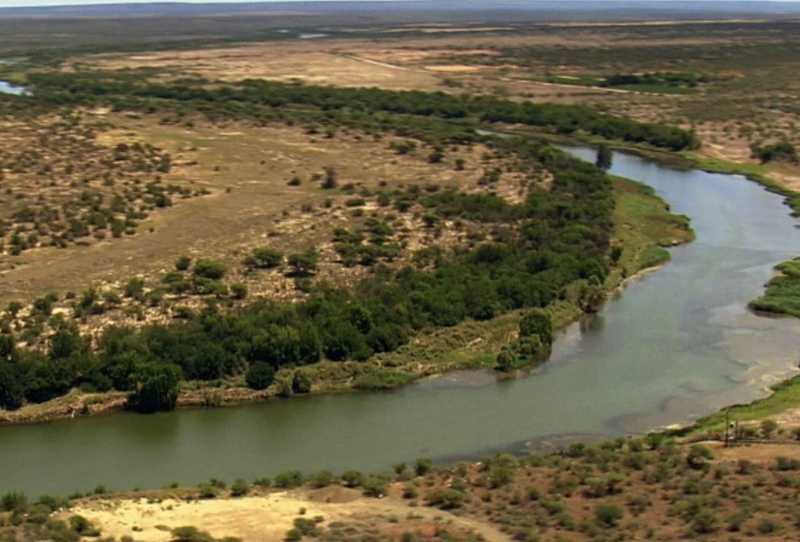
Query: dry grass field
[{"x": 749, "y": 100}]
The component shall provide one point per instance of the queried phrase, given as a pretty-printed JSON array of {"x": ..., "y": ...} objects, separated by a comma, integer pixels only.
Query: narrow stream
[{"x": 678, "y": 344}]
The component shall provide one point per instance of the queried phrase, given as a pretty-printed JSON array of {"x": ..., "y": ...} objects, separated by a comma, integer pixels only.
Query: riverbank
[
  {"x": 643, "y": 227},
  {"x": 499, "y": 499}
]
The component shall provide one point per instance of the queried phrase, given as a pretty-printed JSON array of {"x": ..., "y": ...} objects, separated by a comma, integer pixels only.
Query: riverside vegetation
[
  {"x": 653, "y": 488},
  {"x": 552, "y": 245}
]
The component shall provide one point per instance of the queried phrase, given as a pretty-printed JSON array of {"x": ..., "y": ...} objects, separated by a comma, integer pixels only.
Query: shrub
[
  {"x": 423, "y": 466},
  {"x": 260, "y": 376},
  {"x": 207, "y": 491},
  {"x": 135, "y": 288},
  {"x": 190, "y": 534},
  {"x": 331, "y": 179},
  {"x": 698, "y": 456},
  {"x": 786, "y": 463},
  {"x": 704, "y": 522},
  {"x": 301, "y": 381},
  {"x": 155, "y": 387},
  {"x": 769, "y": 428},
  {"x": 14, "y": 502},
  {"x": 288, "y": 479},
  {"x": 12, "y": 392},
  {"x": 352, "y": 478},
  {"x": 264, "y": 258},
  {"x": 447, "y": 499},
  {"x": 83, "y": 526},
  {"x": 374, "y": 486},
  {"x": 209, "y": 269},
  {"x": 183, "y": 263},
  {"x": 321, "y": 479},
  {"x": 783, "y": 151},
  {"x": 240, "y": 488},
  {"x": 238, "y": 290},
  {"x": 608, "y": 515},
  {"x": 537, "y": 322},
  {"x": 304, "y": 264}
]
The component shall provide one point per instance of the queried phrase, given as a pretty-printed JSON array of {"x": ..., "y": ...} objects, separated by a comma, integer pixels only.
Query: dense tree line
[
  {"x": 562, "y": 236},
  {"x": 126, "y": 91}
]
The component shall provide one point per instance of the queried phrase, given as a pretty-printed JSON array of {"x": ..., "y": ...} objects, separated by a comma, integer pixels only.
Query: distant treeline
[{"x": 128, "y": 92}]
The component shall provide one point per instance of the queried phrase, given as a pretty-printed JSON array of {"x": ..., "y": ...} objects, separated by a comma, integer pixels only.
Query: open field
[{"x": 745, "y": 98}]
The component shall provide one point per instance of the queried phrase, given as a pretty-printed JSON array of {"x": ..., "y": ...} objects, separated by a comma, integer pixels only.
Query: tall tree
[{"x": 604, "y": 157}]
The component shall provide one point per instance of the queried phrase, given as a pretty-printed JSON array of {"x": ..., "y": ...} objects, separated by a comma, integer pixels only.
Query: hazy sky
[{"x": 14, "y": 3}]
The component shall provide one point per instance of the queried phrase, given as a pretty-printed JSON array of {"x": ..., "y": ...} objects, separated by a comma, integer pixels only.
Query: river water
[
  {"x": 678, "y": 344},
  {"x": 8, "y": 88}
]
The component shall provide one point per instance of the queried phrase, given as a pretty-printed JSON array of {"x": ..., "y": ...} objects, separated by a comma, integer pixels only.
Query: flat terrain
[
  {"x": 747, "y": 98},
  {"x": 270, "y": 517}
]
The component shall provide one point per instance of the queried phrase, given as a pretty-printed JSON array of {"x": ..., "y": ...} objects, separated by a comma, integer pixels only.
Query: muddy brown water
[{"x": 677, "y": 344}]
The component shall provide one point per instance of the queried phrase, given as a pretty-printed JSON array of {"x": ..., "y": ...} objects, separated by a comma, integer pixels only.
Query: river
[
  {"x": 678, "y": 344},
  {"x": 8, "y": 88}
]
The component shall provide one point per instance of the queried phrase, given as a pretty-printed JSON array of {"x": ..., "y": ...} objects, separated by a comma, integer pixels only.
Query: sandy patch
[{"x": 263, "y": 518}]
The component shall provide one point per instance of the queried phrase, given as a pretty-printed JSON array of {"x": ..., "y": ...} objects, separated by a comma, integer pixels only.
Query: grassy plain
[{"x": 744, "y": 68}]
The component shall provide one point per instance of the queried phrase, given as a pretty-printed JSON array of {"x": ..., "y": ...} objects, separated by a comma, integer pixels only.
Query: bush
[
  {"x": 537, "y": 323},
  {"x": 301, "y": 381},
  {"x": 447, "y": 499},
  {"x": 260, "y": 376},
  {"x": 352, "y": 478},
  {"x": 423, "y": 466},
  {"x": 304, "y": 264},
  {"x": 374, "y": 486},
  {"x": 155, "y": 388},
  {"x": 769, "y": 428},
  {"x": 322, "y": 479},
  {"x": 183, "y": 263},
  {"x": 209, "y": 269},
  {"x": 240, "y": 488},
  {"x": 263, "y": 258},
  {"x": 608, "y": 515},
  {"x": 704, "y": 522},
  {"x": 12, "y": 392},
  {"x": 288, "y": 479},
  {"x": 784, "y": 151},
  {"x": 190, "y": 534},
  {"x": 238, "y": 291},
  {"x": 83, "y": 526},
  {"x": 14, "y": 502},
  {"x": 698, "y": 456}
]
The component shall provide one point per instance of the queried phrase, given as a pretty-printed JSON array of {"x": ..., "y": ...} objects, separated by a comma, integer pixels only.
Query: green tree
[
  {"x": 604, "y": 157},
  {"x": 260, "y": 376},
  {"x": 263, "y": 258},
  {"x": 537, "y": 322},
  {"x": 608, "y": 515},
  {"x": 210, "y": 269},
  {"x": 183, "y": 263},
  {"x": 304, "y": 264},
  {"x": 156, "y": 387},
  {"x": 12, "y": 393}
]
